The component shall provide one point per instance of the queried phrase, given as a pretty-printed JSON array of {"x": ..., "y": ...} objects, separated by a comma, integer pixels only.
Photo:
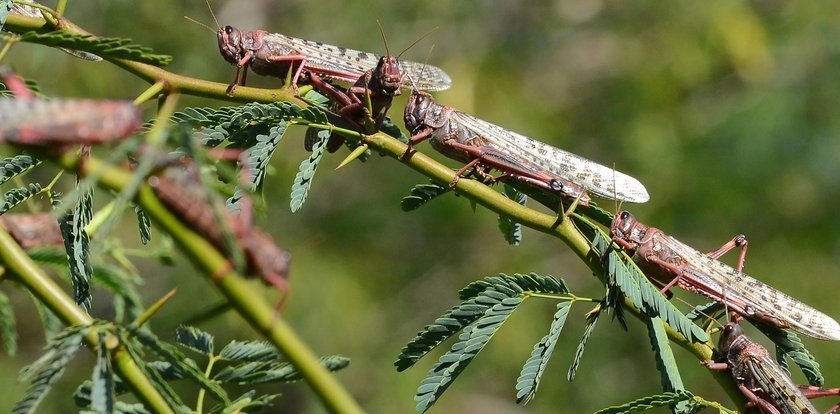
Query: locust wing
[
  {"x": 779, "y": 387},
  {"x": 597, "y": 179}
]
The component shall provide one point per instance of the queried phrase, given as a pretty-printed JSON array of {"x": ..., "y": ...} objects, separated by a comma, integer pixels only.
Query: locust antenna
[
  {"x": 212, "y": 14},
  {"x": 382, "y": 33},
  {"x": 200, "y": 24},
  {"x": 418, "y": 41}
]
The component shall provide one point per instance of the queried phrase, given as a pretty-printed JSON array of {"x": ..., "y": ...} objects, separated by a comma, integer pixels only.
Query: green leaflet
[
  {"x": 591, "y": 319},
  {"x": 256, "y": 161},
  {"x": 231, "y": 119},
  {"x": 303, "y": 179},
  {"x": 102, "y": 397},
  {"x": 473, "y": 339},
  {"x": 247, "y": 351},
  {"x": 511, "y": 230},
  {"x": 788, "y": 344},
  {"x": 48, "y": 368},
  {"x": 666, "y": 364},
  {"x": 144, "y": 224},
  {"x": 273, "y": 371},
  {"x": 532, "y": 371},
  {"x": 194, "y": 339},
  {"x": 646, "y": 403},
  {"x": 478, "y": 297},
  {"x": 704, "y": 311},
  {"x": 7, "y": 325},
  {"x": 77, "y": 245},
  {"x": 14, "y": 197},
  {"x": 106, "y": 47},
  {"x": 638, "y": 289},
  {"x": 422, "y": 194},
  {"x": 245, "y": 403},
  {"x": 11, "y": 167}
]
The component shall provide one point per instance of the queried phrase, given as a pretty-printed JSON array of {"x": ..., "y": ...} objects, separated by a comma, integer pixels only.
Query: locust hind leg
[{"x": 737, "y": 241}]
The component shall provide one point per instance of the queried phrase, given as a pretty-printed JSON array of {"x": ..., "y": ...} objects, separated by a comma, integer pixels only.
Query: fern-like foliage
[
  {"x": 229, "y": 121},
  {"x": 654, "y": 401},
  {"x": 789, "y": 345},
  {"x": 256, "y": 161},
  {"x": 246, "y": 403},
  {"x": 258, "y": 372},
  {"x": 591, "y": 320},
  {"x": 12, "y": 167},
  {"x": 102, "y": 397},
  {"x": 48, "y": 368},
  {"x": 77, "y": 246},
  {"x": 422, "y": 194},
  {"x": 644, "y": 295},
  {"x": 106, "y": 47},
  {"x": 194, "y": 339},
  {"x": 7, "y": 325},
  {"x": 306, "y": 172},
  {"x": 144, "y": 224},
  {"x": 487, "y": 305},
  {"x": 511, "y": 230},
  {"x": 529, "y": 377},
  {"x": 666, "y": 363},
  {"x": 14, "y": 197}
]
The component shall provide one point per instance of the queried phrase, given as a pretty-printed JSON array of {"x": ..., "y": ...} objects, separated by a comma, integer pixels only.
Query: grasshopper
[
  {"x": 57, "y": 122},
  {"x": 465, "y": 138},
  {"x": 29, "y": 11},
  {"x": 762, "y": 381},
  {"x": 180, "y": 190},
  {"x": 670, "y": 261},
  {"x": 33, "y": 229}
]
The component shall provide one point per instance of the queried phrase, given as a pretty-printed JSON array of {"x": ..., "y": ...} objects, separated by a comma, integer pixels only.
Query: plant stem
[{"x": 50, "y": 294}]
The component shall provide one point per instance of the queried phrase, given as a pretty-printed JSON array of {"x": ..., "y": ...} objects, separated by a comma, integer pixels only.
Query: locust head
[
  {"x": 230, "y": 43},
  {"x": 388, "y": 75},
  {"x": 415, "y": 110},
  {"x": 625, "y": 227},
  {"x": 732, "y": 339}
]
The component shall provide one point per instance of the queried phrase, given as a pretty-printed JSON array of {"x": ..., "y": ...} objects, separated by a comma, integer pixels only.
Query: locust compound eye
[
  {"x": 556, "y": 185},
  {"x": 625, "y": 215},
  {"x": 228, "y": 29}
]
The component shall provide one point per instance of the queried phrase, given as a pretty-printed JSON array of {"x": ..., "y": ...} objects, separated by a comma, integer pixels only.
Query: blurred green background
[{"x": 725, "y": 110}]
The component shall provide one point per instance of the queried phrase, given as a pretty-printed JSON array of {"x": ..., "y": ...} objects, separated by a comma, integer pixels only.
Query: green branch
[
  {"x": 259, "y": 316},
  {"x": 15, "y": 259}
]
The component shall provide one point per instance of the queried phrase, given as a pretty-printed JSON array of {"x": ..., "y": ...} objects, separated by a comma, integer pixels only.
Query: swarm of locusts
[{"x": 361, "y": 87}]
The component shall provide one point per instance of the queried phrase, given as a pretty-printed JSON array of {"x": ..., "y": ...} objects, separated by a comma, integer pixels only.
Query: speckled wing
[
  {"x": 595, "y": 178},
  {"x": 780, "y": 389},
  {"x": 741, "y": 288},
  {"x": 349, "y": 65},
  {"x": 66, "y": 121},
  {"x": 30, "y": 11}
]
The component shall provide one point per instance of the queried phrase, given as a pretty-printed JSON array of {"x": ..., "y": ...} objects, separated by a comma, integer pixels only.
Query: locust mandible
[
  {"x": 466, "y": 138},
  {"x": 26, "y": 120},
  {"x": 670, "y": 261},
  {"x": 762, "y": 381}
]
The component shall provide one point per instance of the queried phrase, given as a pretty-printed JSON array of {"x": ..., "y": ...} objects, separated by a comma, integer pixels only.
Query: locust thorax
[
  {"x": 388, "y": 75},
  {"x": 415, "y": 110},
  {"x": 230, "y": 43}
]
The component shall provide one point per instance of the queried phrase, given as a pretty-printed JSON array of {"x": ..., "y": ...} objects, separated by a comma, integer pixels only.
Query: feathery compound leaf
[
  {"x": 529, "y": 377},
  {"x": 511, "y": 230},
  {"x": 247, "y": 351},
  {"x": 7, "y": 325},
  {"x": 422, "y": 194},
  {"x": 473, "y": 308},
  {"x": 245, "y": 403},
  {"x": 13, "y": 166},
  {"x": 18, "y": 195},
  {"x": 256, "y": 161},
  {"x": 106, "y": 47},
  {"x": 76, "y": 243},
  {"x": 788, "y": 344},
  {"x": 591, "y": 319},
  {"x": 654, "y": 401},
  {"x": 473, "y": 340},
  {"x": 144, "y": 224},
  {"x": 638, "y": 289},
  {"x": 273, "y": 371},
  {"x": 233, "y": 119},
  {"x": 184, "y": 364},
  {"x": 303, "y": 179},
  {"x": 666, "y": 364},
  {"x": 102, "y": 387},
  {"x": 704, "y": 311},
  {"x": 48, "y": 369},
  {"x": 195, "y": 339}
]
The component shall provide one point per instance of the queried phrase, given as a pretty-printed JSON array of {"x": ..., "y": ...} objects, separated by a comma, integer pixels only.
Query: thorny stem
[
  {"x": 150, "y": 93},
  {"x": 477, "y": 192},
  {"x": 142, "y": 319},
  {"x": 50, "y": 294}
]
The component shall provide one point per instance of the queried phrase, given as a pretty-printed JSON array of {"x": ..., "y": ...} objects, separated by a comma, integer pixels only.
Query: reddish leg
[
  {"x": 737, "y": 241},
  {"x": 301, "y": 60},
  {"x": 817, "y": 392},
  {"x": 416, "y": 139}
]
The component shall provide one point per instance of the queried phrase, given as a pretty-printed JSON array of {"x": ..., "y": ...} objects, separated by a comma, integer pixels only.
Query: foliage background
[{"x": 725, "y": 110}]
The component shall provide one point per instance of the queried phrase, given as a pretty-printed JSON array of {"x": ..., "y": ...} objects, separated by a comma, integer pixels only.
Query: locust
[
  {"x": 672, "y": 262},
  {"x": 33, "y": 229},
  {"x": 27, "y": 120},
  {"x": 762, "y": 381},
  {"x": 274, "y": 54},
  {"x": 465, "y": 138},
  {"x": 181, "y": 191}
]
